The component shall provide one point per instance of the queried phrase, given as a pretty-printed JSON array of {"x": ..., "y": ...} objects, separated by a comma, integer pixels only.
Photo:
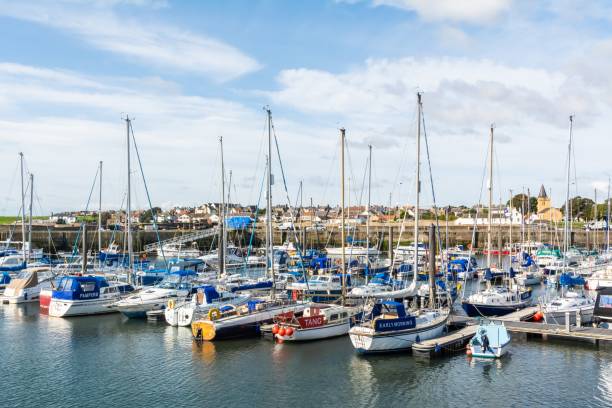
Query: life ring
[
  {"x": 214, "y": 314},
  {"x": 171, "y": 304}
]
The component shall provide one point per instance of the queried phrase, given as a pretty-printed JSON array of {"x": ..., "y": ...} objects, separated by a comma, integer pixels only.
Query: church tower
[{"x": 543, "y": 200}]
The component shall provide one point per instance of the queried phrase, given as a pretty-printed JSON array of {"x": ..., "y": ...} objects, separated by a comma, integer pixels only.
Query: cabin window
[
  {"x": 344, "y": 315},
  {"x": 333, "y": 317},
  {"x": 88, "y": 286}
]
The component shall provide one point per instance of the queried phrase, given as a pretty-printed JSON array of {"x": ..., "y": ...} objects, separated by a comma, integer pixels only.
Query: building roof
[{"x": 542, "y": 192}]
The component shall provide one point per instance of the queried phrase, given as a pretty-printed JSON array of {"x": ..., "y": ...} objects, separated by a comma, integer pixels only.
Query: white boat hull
[
  {"x": 365, "y": 341},
  {"x": 493, "y": 352},
  {"x": 65, "y": 308},
  {"x": 318, "y": 333}
]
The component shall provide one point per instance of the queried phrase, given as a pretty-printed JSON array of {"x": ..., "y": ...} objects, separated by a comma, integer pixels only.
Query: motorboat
[
  {"x": 175, "y": 286},
  {"x": 389, "y": 327},
  {"x": 86, "y": 295},
  {"x": 26, "y": 286},
  {"x": 180, "y": 250},
  {"x": 318, "y": 321},
  {"x": 491, "y": 340}
]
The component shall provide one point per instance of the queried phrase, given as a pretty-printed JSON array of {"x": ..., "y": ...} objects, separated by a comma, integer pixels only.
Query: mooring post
[
  {"x": 567, "y": 321},
  {"x": 578, "y": 318}
]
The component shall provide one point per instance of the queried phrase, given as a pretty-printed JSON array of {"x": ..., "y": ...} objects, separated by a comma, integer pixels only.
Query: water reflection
[
  {"x": 21, "y": 311},
  {"x": 205, "y": 351}
]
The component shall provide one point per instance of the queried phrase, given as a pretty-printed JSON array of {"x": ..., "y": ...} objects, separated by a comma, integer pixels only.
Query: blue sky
[{"x": 191, "y": 71}]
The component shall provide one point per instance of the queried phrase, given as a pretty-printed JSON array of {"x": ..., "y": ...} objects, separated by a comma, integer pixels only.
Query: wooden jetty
[{"x": 515, "y": 323}]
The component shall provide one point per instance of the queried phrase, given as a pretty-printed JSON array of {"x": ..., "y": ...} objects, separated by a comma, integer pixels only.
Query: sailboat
[
  {"x": 389, "y": 326},
  {"x": 247, "y": 320},
  {"x": 324, "y": 321},
  {"x": 554, "y": 309},
  {"x": 495, "y": 300}
]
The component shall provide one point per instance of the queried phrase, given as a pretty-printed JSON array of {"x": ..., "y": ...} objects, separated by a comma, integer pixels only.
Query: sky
[{"x": 188, "y": 72}]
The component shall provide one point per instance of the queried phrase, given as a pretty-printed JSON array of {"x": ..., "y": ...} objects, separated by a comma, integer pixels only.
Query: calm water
[{"x": 112, "y": 362}]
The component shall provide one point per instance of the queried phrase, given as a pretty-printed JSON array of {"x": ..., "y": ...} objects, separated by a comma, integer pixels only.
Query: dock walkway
[{"x": 515, "y": 323}]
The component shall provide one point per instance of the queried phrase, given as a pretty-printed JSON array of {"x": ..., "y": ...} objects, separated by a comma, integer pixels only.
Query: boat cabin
[{"x": 603, "y": 305}]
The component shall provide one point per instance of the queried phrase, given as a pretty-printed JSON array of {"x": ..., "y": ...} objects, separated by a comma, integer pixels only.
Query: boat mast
[
  {"x": 129, "y": 201},
  {"x": 269, "y": 205},
  {"x": 23, "y": 248},
  {"x": 595, "y": 223},
  {"x": 226, "y": 206},
  {"x": 221, "y": 251},
  {"x": 100, "y": 214},
  {"x": 368, "y": 211},
  {"x": 528, "y": 216},
  {"x": 510, "y": 238},
  {"x": 499, "y": 234},
  {"x": 567, "y": 192},
  {"x": 608, "y": 220},
  {"x": 490, "y": 218},
  {"x": 418, "y": 192},
  {"x": 342, "y": 136},
  {"x": 30, "y": 218}
]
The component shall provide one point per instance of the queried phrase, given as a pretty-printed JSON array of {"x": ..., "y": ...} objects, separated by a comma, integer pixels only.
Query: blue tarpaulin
[{"x": 238, "y": 222}]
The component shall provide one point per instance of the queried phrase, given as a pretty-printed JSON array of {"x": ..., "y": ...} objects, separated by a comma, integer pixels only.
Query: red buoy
[
  {"x": 275, "y": 329},
  {"x": 282, "y": 331},
  {"x": 538, "y": 316},
  {"x": 289, "y": 331},
  {"x": 468, "y": 351}
]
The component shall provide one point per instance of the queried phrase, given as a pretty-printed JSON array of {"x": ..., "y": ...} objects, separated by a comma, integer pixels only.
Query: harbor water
[{"x": 110, "y": 361}]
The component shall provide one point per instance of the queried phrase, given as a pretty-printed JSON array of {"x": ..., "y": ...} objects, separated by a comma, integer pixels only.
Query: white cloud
[
  {"x": 159, "y": 44},
  {"x": 473, "y": 11}
]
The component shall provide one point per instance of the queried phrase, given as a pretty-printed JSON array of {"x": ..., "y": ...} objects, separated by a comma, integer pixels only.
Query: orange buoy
[
  {"x": 468, "y": 351},
  {"x": 538, "y": 316},
  {"x": 289, "y": 331},
  {"x": 275, "y": 329},
  {"x": 282, "y": 331}
]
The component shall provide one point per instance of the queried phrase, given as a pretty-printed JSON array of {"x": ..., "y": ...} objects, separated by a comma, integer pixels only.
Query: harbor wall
[{"x": 64, "y": 238}]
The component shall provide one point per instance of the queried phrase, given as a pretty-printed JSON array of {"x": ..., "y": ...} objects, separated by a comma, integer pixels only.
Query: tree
[
  {"x": 581, "y": 208},
  {"x": 147, "y": 216},
  {"x": 521, "y": 199}
]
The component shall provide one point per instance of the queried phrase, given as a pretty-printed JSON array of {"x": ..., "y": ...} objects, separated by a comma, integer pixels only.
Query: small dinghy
[{"x": 490, "y": 341}]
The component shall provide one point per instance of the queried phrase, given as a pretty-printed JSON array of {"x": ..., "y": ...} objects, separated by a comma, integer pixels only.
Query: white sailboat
[
  {"x": 555, "y": 308},
  {"x": 389, "y": 327}
]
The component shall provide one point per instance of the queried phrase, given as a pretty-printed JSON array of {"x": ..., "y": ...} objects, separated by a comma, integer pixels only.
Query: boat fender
[
  {"x": 214, "y": 314},
  {"x": 171, "y": 304},
  {"x": 289, "y": 331},
  {"x": 275, "y": 329},
  {"x": 282, "y": 331}
]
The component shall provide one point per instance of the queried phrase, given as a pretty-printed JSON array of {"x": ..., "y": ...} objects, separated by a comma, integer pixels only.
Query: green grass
[{"x": 7, "y": 219}]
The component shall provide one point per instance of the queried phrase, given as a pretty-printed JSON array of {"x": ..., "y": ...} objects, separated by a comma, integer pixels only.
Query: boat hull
[
  {"x": 493, "y": 352},
  {"x": 387, "y": 342},
  {"x": 558, "y": 317},
  {"x": 66, "y": 308},
  {"x": 476, "y": 310},
  {"x": 317, "y": 333}
]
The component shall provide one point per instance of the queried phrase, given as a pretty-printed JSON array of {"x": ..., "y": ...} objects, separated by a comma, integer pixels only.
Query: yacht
[
  {"x": 176, "y": 286},
  {"x": 555, "y": 309},
  {"x": 85, "y": 295},
  {"x": 390, "y": 328},
  {"x": 496, "y": 301}
]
